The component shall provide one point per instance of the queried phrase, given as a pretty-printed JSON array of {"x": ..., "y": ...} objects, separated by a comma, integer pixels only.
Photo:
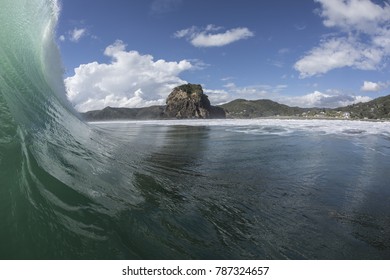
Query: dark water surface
[
  {"x": 257, "y": 192},
  {"x": 241, "y": 191}
]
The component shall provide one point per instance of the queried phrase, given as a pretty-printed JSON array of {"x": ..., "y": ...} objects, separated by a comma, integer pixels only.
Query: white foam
[{"x": 278, "y": 126}]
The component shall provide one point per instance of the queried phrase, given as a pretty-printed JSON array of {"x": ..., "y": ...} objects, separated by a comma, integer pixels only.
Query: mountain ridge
[{"x": 378, "y": 108}]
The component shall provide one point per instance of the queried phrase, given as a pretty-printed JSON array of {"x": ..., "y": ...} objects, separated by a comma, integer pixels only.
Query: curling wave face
[
  {"x": 53, "y": 166},
  {"x": 34, "y": 99}
]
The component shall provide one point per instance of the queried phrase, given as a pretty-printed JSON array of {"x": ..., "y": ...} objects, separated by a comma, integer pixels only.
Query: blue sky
[{"x": 131, "y": 53}]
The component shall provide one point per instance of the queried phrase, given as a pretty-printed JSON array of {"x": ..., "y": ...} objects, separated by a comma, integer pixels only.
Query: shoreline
[
  {"x": 316, "y": 118},
  {"x": 287, "y": 118}
]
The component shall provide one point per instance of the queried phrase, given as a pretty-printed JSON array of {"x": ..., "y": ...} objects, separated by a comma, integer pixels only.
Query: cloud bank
[
  {"x": 329, "y": 99},
  {"x": 363, "y": 40},
  {"x": 323, "y": 100},
  {"x": 208, "y": 37},
  {"x": 129, "y": 80}
]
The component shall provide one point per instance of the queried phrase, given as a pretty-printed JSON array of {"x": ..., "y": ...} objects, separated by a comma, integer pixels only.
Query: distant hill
[
  {"x": 110, "y": 113},
  {"x": 378, "y": 108},
  {"x": 247, "y": 109}
]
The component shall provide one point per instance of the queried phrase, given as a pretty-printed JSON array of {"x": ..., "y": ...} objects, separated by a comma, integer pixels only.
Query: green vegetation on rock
[{"x": 188, "y": 102}]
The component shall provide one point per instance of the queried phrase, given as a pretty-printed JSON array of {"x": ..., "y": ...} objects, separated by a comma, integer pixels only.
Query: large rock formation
[
  {"x": 185, "y": 102},
  {"x": 188, "y": 102}
]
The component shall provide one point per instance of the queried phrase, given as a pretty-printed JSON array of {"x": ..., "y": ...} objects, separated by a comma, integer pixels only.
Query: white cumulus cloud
[
  {"x": 330, "y": 99},
  {"x": 212, "y": 37},
  {"x": 129, "y": 80},
  {"x": 77, "y": 33},
  {"x": 217, "y": 96},
  {"x": 372, "y": 86},
  {"x": 336, "y": 53},
  {"x": 362, "y": 41},
  {"x": 362, "y": 15}
]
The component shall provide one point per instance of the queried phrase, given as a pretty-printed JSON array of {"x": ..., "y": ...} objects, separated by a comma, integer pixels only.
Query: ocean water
[{"x": 220, "y": 189}]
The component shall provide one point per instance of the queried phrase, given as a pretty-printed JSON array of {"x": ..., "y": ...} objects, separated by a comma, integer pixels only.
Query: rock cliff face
[{"x": 188, "y": 102}]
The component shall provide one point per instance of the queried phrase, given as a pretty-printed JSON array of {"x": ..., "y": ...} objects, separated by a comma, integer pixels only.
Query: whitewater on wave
[{"x": 278, "y": 126}]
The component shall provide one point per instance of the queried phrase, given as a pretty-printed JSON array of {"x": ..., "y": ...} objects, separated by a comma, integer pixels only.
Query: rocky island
[
  {"x": 189, "y": 102},
  {"x": 185, "y": 102}
]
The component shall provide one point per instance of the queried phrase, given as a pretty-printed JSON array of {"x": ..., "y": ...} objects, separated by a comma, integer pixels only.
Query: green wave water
[
  {"x": 52, "y": 179},
  {"x": 174, "y": 190}
]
